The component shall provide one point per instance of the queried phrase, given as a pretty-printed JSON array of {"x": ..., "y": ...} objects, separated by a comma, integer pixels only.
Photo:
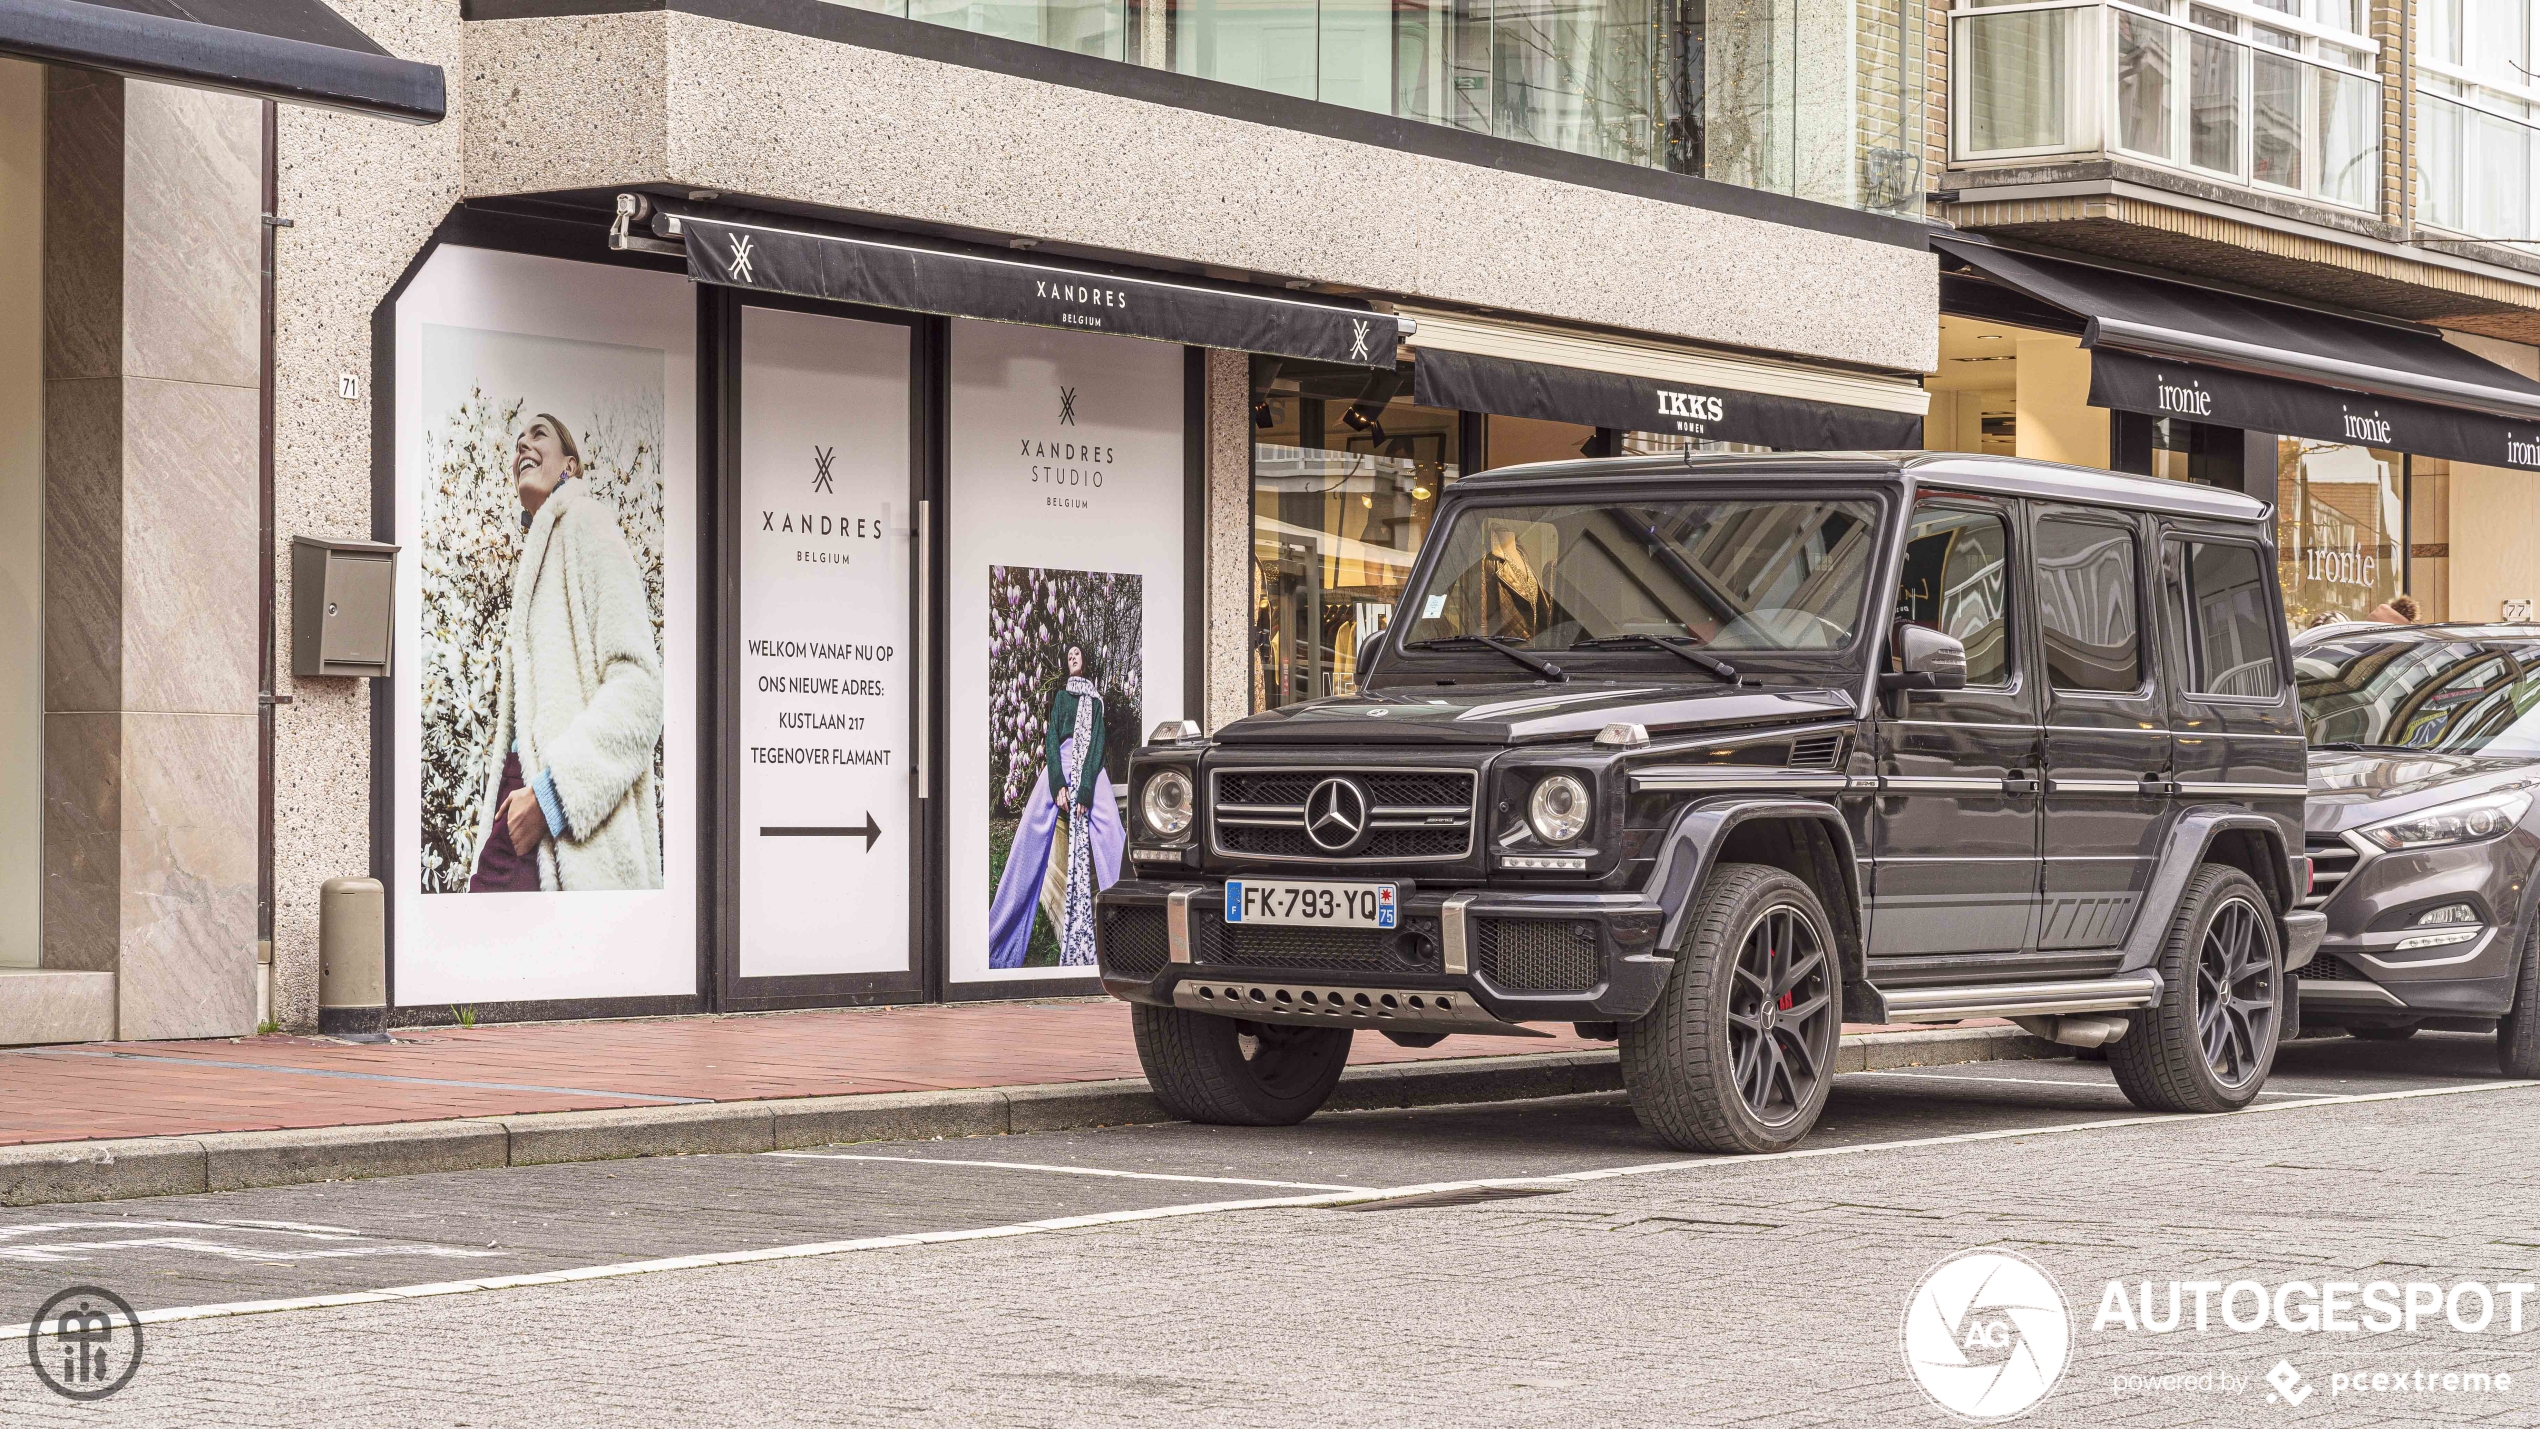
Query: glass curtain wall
[{"x": 2341, "y": 528}]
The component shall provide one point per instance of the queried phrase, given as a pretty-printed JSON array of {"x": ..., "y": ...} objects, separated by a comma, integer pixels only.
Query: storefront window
[
  {"x": 1515, "y": 441},
  {"x": 1345, "y": 482},
  {"x": 2340, "y": 528}
]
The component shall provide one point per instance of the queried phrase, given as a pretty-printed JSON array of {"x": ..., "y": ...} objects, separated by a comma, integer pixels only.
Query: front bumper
[
  {"x": 1459, "y": 960},
  {"x": 2361, "y": 971}
]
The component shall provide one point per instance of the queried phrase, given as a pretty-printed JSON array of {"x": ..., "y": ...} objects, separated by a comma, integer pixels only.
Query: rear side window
[
  {"x": 1953, "y": 582},
  {"x": 2227, "y": 607},
  {"x": 2086, "y": 604}
]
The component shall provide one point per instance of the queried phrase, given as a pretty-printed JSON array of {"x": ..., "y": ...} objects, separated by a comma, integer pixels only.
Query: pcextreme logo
[{"x": 1987, "y": 1334}]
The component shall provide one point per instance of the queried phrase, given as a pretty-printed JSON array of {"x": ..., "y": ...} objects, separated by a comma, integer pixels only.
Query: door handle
[
  {"x": 2019, "y": 781},
  {"x": 2157, "y": 786}
]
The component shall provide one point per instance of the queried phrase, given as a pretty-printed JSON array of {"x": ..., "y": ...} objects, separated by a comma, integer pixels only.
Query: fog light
[{"x": 2448, "y": 913}]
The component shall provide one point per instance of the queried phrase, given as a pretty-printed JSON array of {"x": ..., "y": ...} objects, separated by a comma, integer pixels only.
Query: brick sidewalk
[
  {"x": 105, "y": 1090},
  {"x": 123, "y": 1089}
]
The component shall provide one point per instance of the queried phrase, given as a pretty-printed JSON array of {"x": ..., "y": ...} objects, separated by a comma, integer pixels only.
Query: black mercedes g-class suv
[{"x": 1713, "y": 754}]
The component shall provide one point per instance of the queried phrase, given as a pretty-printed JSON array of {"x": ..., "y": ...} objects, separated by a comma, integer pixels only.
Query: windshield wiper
[
  {"x": 1509, "y": 648},
  {"x": 1676, "y": 645}
]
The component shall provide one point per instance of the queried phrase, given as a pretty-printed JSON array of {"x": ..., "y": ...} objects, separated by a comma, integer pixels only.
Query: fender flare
[
  {"x": 1692, "y": 848},
  {"x": 2182, "y": 853}
]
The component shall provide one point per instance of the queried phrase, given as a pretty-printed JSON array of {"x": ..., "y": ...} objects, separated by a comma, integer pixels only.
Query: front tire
[
  {"x": 2518, "y": 1031},
  {"x": 2209, "y": 1045},
  {"x": 1232, "y": 1073},
  {"x": 1738, "y": 1055}
]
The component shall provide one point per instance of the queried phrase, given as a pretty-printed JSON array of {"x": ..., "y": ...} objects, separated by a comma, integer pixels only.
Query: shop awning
[
  {"x": 774, "y": 255},
  {"x": 1520, "y": 371},
  {"x": 295, "y": 50},
  {"x": 2176, "y": 350}
]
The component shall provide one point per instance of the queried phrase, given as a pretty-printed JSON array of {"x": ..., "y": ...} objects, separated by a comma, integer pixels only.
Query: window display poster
[
  {"x": 824, "y": 700},
  {"x": 1063, "y": 628},
  {"x": 545, "y": 811}
]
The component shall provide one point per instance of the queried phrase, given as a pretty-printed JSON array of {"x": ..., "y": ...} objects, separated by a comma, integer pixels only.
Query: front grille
[
  {"x": 2332, "y": 860},
  {"x": 1816, "y": 751},
  {"x": 1536, "y": 955},
  {"x": 1413, "y": 815},
  {"x": 1134, "y": 942},
  {"x": 2324, "y": 968},
  {"x": 1413, "y": 947}
]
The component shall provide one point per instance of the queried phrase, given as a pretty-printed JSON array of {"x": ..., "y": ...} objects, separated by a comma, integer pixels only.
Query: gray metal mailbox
[{"x": 343, "y": 607}]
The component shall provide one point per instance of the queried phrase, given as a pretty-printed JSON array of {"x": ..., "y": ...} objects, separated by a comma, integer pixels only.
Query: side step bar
[{"x": 2021, "y": 999}]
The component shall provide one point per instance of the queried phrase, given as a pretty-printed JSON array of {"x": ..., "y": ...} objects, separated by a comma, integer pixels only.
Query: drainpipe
[{"x": 265, "y": 697}]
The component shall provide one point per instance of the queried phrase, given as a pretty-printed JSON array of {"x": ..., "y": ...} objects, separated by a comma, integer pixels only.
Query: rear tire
[
  {"x": 2209, "y": 1045},
  {"x": 1738, "y": 1055},
  {"x": 2400, "y": 1033},
  {"x": 1231, "y": 1073},
  {"x": 2518, "y": 1031}
]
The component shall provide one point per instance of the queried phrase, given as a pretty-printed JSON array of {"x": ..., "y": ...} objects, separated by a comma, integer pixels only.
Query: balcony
[{"x": 2233, "y": 94}]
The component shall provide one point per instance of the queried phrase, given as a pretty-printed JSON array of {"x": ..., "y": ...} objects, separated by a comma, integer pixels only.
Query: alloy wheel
[
  {"x": 2236, "y": 993},
  {"x": 1782, "y": 1017}
]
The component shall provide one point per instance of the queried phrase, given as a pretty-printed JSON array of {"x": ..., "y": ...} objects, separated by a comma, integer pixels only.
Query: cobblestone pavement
[{"x": 1765, "y": 1291}]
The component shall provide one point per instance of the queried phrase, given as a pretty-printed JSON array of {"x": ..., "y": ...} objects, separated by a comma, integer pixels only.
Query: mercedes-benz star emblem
[{"x": 1336, "y": 814}]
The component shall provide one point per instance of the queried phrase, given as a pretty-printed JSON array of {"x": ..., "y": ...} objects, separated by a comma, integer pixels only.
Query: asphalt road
[
  {"x": 294, "y": 1241},
  {"x": 220, "y": 1250}
]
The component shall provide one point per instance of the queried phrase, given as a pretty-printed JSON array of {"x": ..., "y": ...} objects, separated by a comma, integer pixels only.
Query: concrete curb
[{"x": 62, "y": 1172}]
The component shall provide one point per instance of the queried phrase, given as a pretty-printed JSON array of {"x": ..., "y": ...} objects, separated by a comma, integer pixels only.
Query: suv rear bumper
[{"x": 1477, "y": 960}]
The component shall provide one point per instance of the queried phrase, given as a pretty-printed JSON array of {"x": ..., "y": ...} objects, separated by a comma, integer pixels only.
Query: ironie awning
[
  {"x": 295, "y": 50},
  {"x": 2176, "y": 350},
  {"x": 1521, "y": 371},
  {"x": 772, "y": 255}
]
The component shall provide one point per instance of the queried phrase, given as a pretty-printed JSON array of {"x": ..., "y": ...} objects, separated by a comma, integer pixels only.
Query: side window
[
  {"x": 2234, "y": 632},
  {"x": 1956, "y": 562},
  {"x": 2087, "y": 606}
]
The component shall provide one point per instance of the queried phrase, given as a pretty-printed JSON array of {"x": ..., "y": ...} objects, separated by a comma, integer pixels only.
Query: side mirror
[
  {"x": 1367, "y": 649},
  {"x": 1927, "y": 660}
]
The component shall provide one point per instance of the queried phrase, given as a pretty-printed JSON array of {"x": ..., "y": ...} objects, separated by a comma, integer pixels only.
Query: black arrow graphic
[{"x": 869, "y": 831}]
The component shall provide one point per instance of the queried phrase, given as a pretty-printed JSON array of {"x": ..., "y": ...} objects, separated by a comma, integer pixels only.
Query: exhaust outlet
[{"x": 2079, "y": 1031}]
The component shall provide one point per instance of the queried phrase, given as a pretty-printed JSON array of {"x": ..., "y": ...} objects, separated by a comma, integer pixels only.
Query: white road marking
[
  {"x": 2024, "y": 1081},
  {"x": 80, "y": 1250},
  {"x": 1066, "y": 1170},
  {"x": 818, "y": 1249}
]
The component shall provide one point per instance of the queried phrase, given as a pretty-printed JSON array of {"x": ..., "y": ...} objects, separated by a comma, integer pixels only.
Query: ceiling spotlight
[{"x": 1263, "y": 415}]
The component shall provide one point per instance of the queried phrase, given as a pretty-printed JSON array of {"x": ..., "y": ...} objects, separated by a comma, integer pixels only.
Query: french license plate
[{"x": 1310, "y": 905}]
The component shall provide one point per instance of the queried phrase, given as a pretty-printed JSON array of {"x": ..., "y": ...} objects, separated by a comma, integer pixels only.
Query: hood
[
  {"x": 2351, "y": 788},
  {"x": 1528, "y": 714}
]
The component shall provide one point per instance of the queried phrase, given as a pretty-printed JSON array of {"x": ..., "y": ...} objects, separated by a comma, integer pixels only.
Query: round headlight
[
  {"x": 1559, "y": 809},
  {"x": 1166, "y": 802}
]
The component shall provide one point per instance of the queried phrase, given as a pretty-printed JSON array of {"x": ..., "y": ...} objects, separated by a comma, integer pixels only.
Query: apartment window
[
  {"x": 2476, "y": 112},
  {"x": 2278, "y": 93}
]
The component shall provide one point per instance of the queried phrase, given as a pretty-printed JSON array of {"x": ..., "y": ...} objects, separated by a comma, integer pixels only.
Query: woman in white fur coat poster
[{"x": 570, "y": 804}]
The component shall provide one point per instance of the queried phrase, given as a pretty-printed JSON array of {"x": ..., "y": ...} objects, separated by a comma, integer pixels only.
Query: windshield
[
  {"x": 1728, "y": 574},
  {"x": 2456, "y": 696}
]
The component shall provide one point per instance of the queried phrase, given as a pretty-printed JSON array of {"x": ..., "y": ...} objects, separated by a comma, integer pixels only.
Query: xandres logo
[
  {"x": 740, "y": 264},
  {"x": 1986, "y": 1334},
  {"x": 1067, "y": 406},
  {"x": 820, "y": 459},
  {"x": 2373, "y": 428}
]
